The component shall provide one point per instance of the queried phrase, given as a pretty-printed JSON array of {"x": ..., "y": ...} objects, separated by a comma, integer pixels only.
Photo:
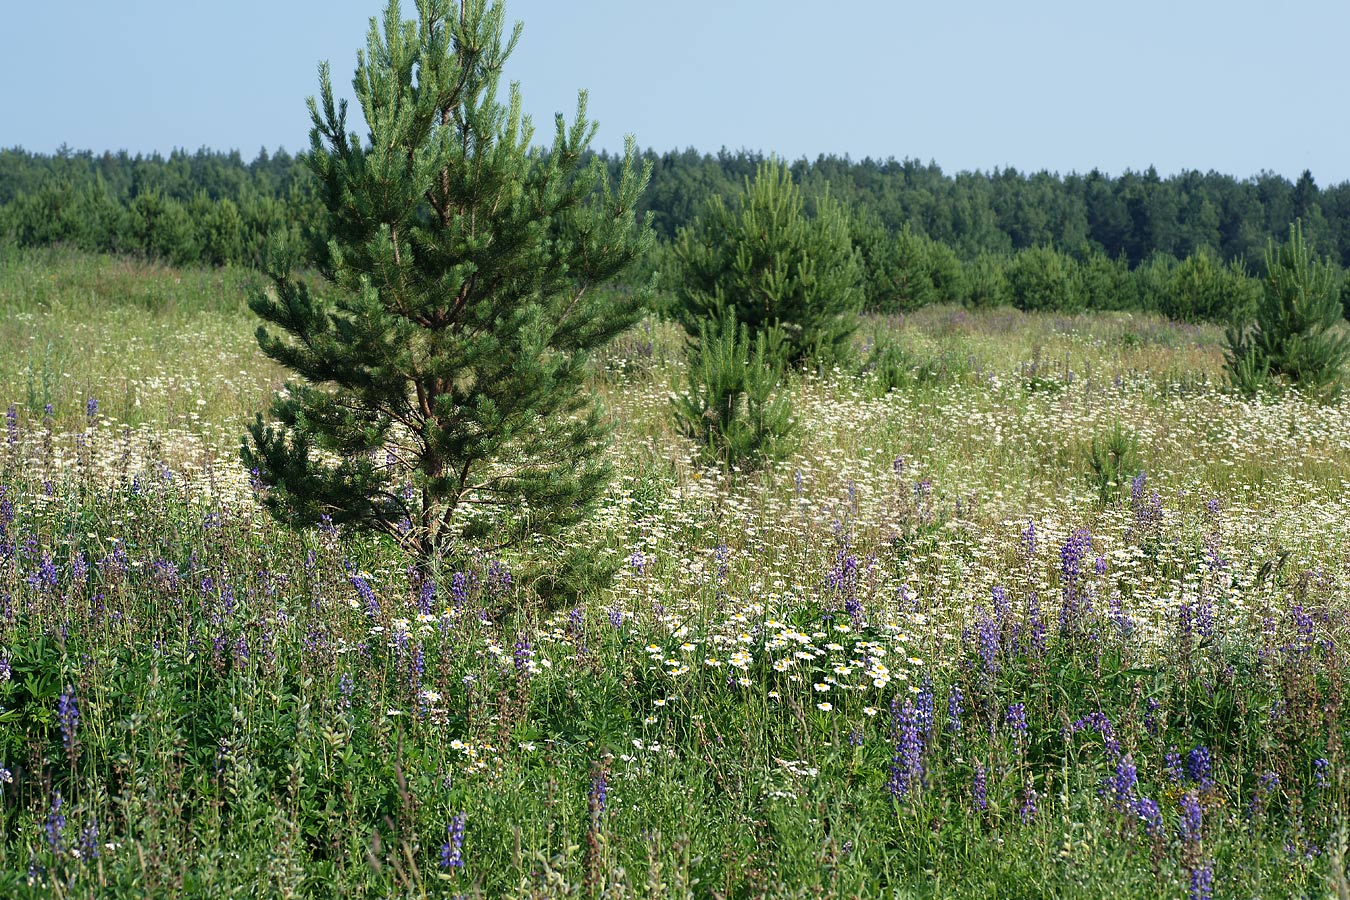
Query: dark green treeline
[{"x": 1039, "y": 240}]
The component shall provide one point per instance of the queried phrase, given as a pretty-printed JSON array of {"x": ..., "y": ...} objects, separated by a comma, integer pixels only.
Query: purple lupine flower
[
  {"x": 1151, "y": 723},
  {"x": 1150, "y": 816},
  {"x": 954, "y": 698},
  {"x": 459, "y": 591},
  {"x": 55, "y": 826},
  {"x": 1199, "y": 767},
  {"x": 1028, "y": 810},
  {"x": 576, "y": 619},
  {"x": 979, "y": 787},
  {"x": 1266, "y": 785},
  {"x": 89, "y": 840},
  {"x": 637, "y": 562},
  {"x": 68, "y": 714},
  {"x": 452, "y": 851},
  {"x": 523, "y": 655},
  {"x": 907, "y": 763},
  {"x": 1320, "y": 767},
  {"x": 426, "y": 596},
  {"x": 91, "y": 408},
  {"x": 1016, "y": 720},
  {"x": 923, "y": 707},
  {"x": 1029, "y": 539},
  {"x": 598, "y": 798},
  {"x": 1035, "y": 624},
  {"x": 1122, "y": 784},
  {"x": 12, "y": 425},
  {"x": 367, "y": 595},
  {"x": 1071, "y": 558},
  {"x": 346, "y": 688},
  {"x": 1202, "y": 882},
  {"x": 616, "y": 616},
  {"x": 987, "y": 634},
  {"x": 1172, "y": 762},
  {"x": 1191, "y": 820}
]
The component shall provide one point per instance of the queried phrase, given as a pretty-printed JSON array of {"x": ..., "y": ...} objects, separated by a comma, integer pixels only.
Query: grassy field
[{"x": 933, "y": 654}]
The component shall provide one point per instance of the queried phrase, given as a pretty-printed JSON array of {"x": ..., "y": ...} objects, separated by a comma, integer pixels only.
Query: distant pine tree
[
  {"x": 439, "y": 398},
  {"x": 1296, "y": 332}
]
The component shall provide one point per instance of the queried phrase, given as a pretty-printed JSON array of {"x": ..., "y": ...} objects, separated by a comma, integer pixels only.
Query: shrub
[
  {"x": 1112, "y": 458},
  {"x": 1042, "y": 278},
  {"x": 440, "y": 393},
  {"x": 986, "y": 281},
  {"x": 733, "y": 407},
  {"x": 907, "y": 270},
  {"x": 763, "y": 261},
  {"x": 1106, "y": 283},
  {"x": 1203, "y": 288},
  {"x": 1295, "y": 333}
]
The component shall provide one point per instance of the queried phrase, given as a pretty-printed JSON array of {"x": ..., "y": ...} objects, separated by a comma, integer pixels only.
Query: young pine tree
[
  {"x": 1296, "y": 331},
  {"x": 763, "y": 261},
  {"x": 439, "y": 398}
]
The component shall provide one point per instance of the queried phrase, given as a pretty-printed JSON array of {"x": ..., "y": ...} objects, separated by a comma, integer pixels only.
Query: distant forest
[{"x": 216, "y": 208}]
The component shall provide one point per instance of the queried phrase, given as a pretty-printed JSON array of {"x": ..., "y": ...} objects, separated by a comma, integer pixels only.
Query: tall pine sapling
[
  {"x": 439, "y": 398},
  {"x": 762, "y": 260},
  {"x": 1297, "y": 330}
]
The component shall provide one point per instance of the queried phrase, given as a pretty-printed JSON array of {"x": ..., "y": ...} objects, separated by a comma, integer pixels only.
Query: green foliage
[
  {"x": 1201, "y": 288},
  {"x": 987, "y": 281},
  {"x": 1111, "y": 459},
  {"x": 1105, "y": 283},
  {"x": 733, "y": 405},
  {"x": 906, "y": 271},
  {"x": 1296, "y": 332},
  {"x": 439, "y": 399},
  {"x": 1042, "y": 278},
  {"x": 763, "y": 261}
]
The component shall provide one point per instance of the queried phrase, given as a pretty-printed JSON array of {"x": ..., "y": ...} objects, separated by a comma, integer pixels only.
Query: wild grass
[{"x": 920, "y": 658}]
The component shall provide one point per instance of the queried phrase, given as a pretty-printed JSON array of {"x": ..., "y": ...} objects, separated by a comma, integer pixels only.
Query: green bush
[
  {"x": 764, "y": 262},
  {"x": 1042, "y": 278},
  {"x": 907, "y": 270},
  {"x": 1296, "y": 331},
  {"x": 1111, "y": 459},
  {"x": 733, "y": 406},
  {"x": 1202, "y": 288},
  {"x": 1106, "y": 283},
  {"x": 986, "y": 281}
]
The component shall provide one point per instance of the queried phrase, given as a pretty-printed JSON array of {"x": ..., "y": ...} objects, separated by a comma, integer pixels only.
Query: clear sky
[{"x": 1064, "y": 85}]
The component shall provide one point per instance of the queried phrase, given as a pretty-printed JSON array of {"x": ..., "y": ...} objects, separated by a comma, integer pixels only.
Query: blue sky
[{"x": 1234, "y": 86}]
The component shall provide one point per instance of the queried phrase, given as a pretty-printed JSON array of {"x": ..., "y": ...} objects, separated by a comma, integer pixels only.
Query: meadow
[{"x": 933, "y": 653}]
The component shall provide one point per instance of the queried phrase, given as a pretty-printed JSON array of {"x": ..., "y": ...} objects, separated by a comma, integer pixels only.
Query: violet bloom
[
  {"x": 1202, "y": 882},
  {"x": 452, "y": 851},
  {"x": 426, "y": 596},
  {"x": 1199, "y": 767},
  {"x": 55, "y": 826},
  {"x": 954, "y": 710},
  {"x": 979, "y": 788},
  {"x": 907, "y": 763},
  {"x": 1150, "y": 816},
  {"x": 598, "y": 798},
  {"x": 1028, "y": 810},
  {"x": 367, "y": 595},
  {"x": 1191, "y": 821},
  {"x": 68, "y": 714},
  {"x": 1016, "y": 720},
  {"x": 1121, "y": 785}
]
